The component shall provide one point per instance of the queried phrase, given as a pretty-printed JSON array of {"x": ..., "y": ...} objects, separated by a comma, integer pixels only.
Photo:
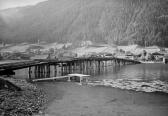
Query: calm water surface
[
  {"x": 140, "y": 77},
  {"x": 139, "y": 71}
]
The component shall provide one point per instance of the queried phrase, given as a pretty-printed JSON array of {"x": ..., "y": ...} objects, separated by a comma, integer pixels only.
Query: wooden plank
[
  {"x": 61, "y": 77},
  {"x": 51, "y": 78},
  {"x": 78, "y": 75}
]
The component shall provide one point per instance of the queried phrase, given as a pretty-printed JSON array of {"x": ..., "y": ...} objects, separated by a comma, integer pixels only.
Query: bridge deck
[
  {"x": 18, "y": 65},
  {"x": 86, "y": 59},
  {"x": 25, "y": 64}
]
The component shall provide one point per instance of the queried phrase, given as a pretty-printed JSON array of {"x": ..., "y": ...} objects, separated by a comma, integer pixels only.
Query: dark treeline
[{"x": 144, "y": 22}]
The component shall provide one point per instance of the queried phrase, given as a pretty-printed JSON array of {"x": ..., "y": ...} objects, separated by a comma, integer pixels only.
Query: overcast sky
[{"x": 5, "y": 4}]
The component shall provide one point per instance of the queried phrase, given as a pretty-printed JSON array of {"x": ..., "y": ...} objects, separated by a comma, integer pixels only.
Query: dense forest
[{"x": 144, "y": 22}]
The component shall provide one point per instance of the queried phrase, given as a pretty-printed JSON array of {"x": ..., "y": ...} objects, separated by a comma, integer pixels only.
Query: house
[
  {"x": 86, "y": 43},
  {"x": 135, "y": 49},
  {"x": 14, "y": 48},
  {"x": 152, "y": 49},
  {"x": 165, "y": 59},
  {"x": 129, "y": 55},
  {"x": 158, "y": 55},
  {"x": 36, "y": 49},
  {"x": 17, "y": 56}
]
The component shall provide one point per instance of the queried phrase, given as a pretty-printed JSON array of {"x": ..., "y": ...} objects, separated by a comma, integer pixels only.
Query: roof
[
  {"x": 152, "y": 47},
  {"x": 136, "y": 49},
  {"x": 40, "y": 57},
  {"x": 102, "y": 45},
  {"x": 35, "y": 47},
  {"x": 157, "y": 53},
  {"x": 129, "y": 47},
  {"x": 15, "y": 48},
  {"x": 87, "y": 50}
]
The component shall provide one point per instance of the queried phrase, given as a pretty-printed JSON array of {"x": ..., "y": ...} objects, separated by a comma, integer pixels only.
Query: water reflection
[{"x": 139, "y": 71}]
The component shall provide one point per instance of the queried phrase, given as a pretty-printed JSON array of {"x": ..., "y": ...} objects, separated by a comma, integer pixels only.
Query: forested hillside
[{"x": 103, "y": 21}]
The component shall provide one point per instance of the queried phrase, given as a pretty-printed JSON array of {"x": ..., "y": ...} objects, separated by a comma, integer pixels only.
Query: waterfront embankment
[{"x": 26, "y": 102}]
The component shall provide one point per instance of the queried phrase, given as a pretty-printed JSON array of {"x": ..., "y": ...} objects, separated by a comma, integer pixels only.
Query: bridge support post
[
  {"x": 62, "y": 69},
  {"x": 55, "y": 70},
  {"x": 99, "y": 68},
  {"x": 29, "y": 73},
  {"x": 70, "y": 67}
]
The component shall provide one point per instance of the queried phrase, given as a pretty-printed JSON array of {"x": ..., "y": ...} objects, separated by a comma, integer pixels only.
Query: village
[{"x": 43, "y": 50}]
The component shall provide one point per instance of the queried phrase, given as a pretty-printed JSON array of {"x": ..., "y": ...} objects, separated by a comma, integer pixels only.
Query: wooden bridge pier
[
  {"x": 43, "y": 69},
  {"x": 55, "y": 70},
  {"x": 29, "y": 72},
  {"x": 40, "y": 71},
  {"x": 88, "y": 66}
]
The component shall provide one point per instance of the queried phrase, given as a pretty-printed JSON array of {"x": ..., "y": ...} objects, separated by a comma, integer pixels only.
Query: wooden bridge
[
  {"x": 7, "y": 68},
  {"x": 43, "y": 66}
]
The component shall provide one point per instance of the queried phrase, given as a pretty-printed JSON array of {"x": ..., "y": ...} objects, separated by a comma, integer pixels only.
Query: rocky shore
[{"x": 27, "y": 102}]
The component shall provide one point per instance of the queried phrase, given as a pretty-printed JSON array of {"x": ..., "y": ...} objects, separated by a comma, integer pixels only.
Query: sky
[{"x": 6, "y": 4}]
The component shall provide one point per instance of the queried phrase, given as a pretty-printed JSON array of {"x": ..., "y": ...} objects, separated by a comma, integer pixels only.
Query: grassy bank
[{"x": 27, "y": 102}]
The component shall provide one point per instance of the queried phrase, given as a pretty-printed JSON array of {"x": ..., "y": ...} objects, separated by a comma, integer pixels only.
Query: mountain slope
[{"x": 105, "y": 21}]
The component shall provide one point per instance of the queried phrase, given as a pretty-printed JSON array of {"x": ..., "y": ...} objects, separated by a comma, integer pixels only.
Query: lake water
[
  {"x": 140, "y": 71},
  {"x": 140, "y": 77}
]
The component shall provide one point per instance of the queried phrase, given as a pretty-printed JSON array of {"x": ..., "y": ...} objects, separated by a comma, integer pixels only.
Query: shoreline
[
  {"x": 72, "y": 99},
  {"x": 27, "y": 102}
]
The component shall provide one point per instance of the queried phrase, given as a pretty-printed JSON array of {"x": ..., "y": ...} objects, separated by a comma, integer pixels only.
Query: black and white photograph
[{"x": 83, "y": 57}]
